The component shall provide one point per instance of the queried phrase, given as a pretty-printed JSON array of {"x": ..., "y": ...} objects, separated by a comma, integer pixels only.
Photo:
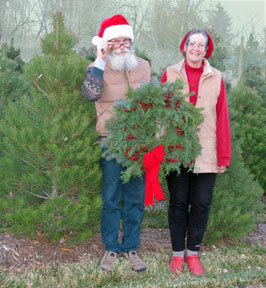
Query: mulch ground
[{"x": 18, "y": 254}]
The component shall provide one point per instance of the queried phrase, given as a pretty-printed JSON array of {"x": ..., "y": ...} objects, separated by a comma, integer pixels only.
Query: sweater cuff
[
  {"x": 99, "y": 63},
  {"x": 97, "y": 72},
  {"x": 224, "y": 162}
]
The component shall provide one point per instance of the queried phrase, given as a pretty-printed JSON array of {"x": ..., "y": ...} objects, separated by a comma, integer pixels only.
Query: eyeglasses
[
  {"x": 117, "y": 43},
  {"x": 194, "y": 45}
]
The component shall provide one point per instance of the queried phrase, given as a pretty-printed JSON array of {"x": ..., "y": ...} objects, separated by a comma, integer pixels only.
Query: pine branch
[
  {"x": 39, "y": 88},
  {"x": 39, "y": 196},
  {"x": 19, "y": 158}
]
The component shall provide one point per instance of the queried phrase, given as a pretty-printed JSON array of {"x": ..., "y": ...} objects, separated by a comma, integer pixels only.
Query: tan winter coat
[
  {"x": 208, "y": 92},
  {"x": 115, "y": 87}
]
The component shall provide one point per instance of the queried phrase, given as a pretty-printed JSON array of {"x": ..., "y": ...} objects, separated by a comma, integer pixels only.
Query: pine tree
[
  {"x": 220, "y": 22},
  {"x": 219, "y": 54},
  {"x": 236, "y": 203},
  {"x": 253, "y": 53},
  {"x": 12, "y": 83},
  {"x": 49, "y": 168},
  {"x": 14, "y": 54},
  {"x": 250, "y": 118},
  {"x": 253, "y": 78}
]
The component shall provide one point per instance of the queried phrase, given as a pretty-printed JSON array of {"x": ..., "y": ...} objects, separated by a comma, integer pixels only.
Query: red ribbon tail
[
  {"x": 159, "y": 193},
  {"x": 148, "y": 192},
  {"x": 153, "y": 189},
  {"x": 152, "y": 163}
]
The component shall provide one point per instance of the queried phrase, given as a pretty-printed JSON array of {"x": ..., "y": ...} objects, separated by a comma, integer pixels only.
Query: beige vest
[
  {"x": 115, "y": 87},
  {"x": 208, "y": 92}
]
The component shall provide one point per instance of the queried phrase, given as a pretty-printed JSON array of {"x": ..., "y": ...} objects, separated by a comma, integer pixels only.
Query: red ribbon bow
[{"x": 152, "y": 162}]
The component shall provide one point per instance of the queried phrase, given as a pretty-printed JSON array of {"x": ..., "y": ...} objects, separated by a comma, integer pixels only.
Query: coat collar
[{"x": 207, "y": 69}]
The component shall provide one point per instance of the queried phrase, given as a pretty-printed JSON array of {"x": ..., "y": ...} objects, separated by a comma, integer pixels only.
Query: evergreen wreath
[{"x": 151, "y": 115}]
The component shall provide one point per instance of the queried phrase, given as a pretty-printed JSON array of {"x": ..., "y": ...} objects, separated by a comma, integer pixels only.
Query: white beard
[{"x": 122, "y": 62}]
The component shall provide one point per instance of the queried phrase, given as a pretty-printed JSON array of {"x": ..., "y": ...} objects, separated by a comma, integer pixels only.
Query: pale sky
[{"x": 244, "y": 14}]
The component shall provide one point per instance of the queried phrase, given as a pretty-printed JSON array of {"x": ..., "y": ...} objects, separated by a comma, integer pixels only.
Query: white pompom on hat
[{"x": 114, "y": 27}]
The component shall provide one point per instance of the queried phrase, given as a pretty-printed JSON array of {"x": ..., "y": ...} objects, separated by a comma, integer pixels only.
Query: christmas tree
[
  {"x": 249, "y": 120},
  {"x": 12, "y": 83},
  {"x": 236, "y": 203},
  {"x": 154, "y": 114},
  {"x": 253, "y": 78},
  {"x": 219, "y": 55},
  {"x": 49, "y": 167},
  {"x": 14, "y": 54}
]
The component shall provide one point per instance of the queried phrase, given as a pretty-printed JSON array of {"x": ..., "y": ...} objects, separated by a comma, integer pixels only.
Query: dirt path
[{"x": 17, "y": 254}]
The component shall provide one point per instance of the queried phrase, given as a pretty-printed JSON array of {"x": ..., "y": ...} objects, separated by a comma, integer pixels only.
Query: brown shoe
[
  {"x": 108, "y": 261},
  {"x": 137, "y": 264}
]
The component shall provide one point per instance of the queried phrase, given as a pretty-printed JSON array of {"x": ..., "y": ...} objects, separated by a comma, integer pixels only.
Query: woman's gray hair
[{"x": 197, "y": 31}]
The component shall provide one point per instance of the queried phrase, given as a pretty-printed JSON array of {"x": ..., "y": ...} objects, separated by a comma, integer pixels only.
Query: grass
[{"x": 240, "y": 265}]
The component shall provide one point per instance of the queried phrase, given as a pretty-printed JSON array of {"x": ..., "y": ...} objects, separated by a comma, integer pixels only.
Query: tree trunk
[{"x": 240, "y": 63}]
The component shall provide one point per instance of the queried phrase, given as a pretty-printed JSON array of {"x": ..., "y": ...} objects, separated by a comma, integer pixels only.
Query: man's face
[
  {"x": 120, "y": 45},
  {"x": 121, "y": 55}
]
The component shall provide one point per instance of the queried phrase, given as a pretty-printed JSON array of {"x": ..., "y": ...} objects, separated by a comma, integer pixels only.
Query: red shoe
[
  {"x": 176, "y": 264},
  {"x": 194, "y": 265}
]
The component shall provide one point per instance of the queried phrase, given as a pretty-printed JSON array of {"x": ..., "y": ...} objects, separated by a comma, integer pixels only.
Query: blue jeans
[{"x": 132, "y": 195}]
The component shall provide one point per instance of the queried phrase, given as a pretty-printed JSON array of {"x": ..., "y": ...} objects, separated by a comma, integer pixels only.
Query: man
[{"x": 115, "y": 68}]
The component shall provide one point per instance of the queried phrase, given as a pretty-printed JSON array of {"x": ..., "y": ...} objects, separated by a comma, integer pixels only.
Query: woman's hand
[{"x": 221, "y": 169}]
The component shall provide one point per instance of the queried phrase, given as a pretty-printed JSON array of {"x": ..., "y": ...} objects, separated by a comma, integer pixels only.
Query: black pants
[{"x": 190, "y": 200}]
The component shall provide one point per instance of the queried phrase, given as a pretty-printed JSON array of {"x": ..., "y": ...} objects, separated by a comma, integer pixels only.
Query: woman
[{"x": 191, "y": 192}]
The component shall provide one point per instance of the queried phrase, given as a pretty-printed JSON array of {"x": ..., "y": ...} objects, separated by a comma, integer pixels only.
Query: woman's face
[{"x": 195, "y": 50}]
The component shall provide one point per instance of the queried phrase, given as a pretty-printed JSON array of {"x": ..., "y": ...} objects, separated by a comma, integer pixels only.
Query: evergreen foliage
[
  {"x": 236, "y": 203},
  {"x": 91, "y": 55},
  {"x": 253, "y": 78},
  {"x": 14, "y": 54},
  {"x": 50, "y": 171},
  {"x": 153, "y": 114},
  {"x": 60, "y": 41},
  {"x": 143, "y": 55},
  {"x": 249, "y": 120},
  {"x": 12, "y": 83},
  {"x": 253, "y": 54},
  {"x": 219, "y": 55},
  {"x": 220, "y": 21}
]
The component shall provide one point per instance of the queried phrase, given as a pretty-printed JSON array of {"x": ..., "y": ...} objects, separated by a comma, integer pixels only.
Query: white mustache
[
  {"x": 119, "y": 51},
  {"x": 122, "y": 59}
]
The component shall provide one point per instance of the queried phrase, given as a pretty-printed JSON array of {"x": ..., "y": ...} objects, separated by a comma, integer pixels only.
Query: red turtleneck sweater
[{"x": 223, "y": 124}]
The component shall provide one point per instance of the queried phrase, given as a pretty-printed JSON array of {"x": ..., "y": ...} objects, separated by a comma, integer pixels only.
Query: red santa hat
[{"x": 114, "y": 27}]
